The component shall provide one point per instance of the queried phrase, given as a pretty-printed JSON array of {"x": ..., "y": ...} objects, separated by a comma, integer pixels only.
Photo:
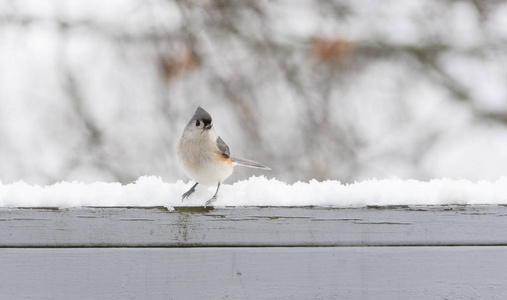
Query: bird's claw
[
  {"x": 189, "y": 192},
  {"x": 210, "y": 201},
  {"x": 186, "y": 194}
]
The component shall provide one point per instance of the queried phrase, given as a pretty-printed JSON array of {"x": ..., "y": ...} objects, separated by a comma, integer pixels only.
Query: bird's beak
[{"x": 208, "y": 126}]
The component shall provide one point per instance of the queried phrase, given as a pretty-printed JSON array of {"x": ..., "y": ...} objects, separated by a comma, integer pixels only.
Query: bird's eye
[{"x": 197, "y": 123}]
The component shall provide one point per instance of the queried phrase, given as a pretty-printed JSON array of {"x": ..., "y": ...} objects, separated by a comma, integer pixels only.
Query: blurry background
[{"x": 347, "y": 90}]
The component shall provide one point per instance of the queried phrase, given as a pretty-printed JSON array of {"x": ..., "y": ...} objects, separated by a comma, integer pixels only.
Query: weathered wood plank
[
  {"x": 254, "y": 273},
  {"x": 254, "y": 226}
]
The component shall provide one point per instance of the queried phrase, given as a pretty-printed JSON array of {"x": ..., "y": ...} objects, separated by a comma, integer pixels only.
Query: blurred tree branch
[{"x": 238, "y": 54}]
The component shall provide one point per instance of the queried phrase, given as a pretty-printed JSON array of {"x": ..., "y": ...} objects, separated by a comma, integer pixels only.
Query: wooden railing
[{"x": 402, "y": 252}]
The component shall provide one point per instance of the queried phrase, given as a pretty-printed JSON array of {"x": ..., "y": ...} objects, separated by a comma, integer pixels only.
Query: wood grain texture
[
  {"x": 419, "y": 252},
  {"x": 255, "y": 273},
  {"x": 254, "y": 226}
]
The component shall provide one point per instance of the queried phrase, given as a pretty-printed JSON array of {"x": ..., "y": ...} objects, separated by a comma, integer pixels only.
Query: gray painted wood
[
  {"x": 417, "y": 252},
  {"x": 254, "y": 226},
  {"x": 255, "y": 273}
]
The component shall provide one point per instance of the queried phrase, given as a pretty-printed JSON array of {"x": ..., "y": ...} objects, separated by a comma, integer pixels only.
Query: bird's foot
[
  {"x": 210, "y": 201},
  {"x": 189, "y": 192}
]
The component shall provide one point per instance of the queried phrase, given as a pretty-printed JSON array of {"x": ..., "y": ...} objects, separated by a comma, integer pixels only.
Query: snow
[{"x": 257, "y": 191}]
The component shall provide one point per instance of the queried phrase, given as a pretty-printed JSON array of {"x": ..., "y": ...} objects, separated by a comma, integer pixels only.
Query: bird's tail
[{"x": 248, "y": 163}]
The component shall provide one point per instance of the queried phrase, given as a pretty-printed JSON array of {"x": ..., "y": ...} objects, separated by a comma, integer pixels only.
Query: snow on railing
[{"x": 257, "y": 191}]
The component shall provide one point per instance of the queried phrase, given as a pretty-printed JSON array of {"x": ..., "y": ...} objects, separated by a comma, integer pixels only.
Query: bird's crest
[{"x": 201, "y": 115}]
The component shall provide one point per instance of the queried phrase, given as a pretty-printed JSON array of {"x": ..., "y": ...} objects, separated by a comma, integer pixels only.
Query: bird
[{"x": 205, "y": 157}]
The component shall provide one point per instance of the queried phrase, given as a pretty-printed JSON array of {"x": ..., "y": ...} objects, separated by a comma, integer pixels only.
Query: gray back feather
[{"x": 223, "y": 147}]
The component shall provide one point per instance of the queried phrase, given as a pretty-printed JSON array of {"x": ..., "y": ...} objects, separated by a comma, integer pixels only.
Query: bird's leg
[
  {"x": 214, "y": 198},
  {"x": 189, "y": 192}
]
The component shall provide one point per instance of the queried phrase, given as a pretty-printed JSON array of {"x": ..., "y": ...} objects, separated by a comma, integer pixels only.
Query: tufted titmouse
[{"x": 204, "y": 156}]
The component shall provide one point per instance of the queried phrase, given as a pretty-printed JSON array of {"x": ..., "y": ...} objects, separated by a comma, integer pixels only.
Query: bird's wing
[{"x": 223, "y": 147}]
